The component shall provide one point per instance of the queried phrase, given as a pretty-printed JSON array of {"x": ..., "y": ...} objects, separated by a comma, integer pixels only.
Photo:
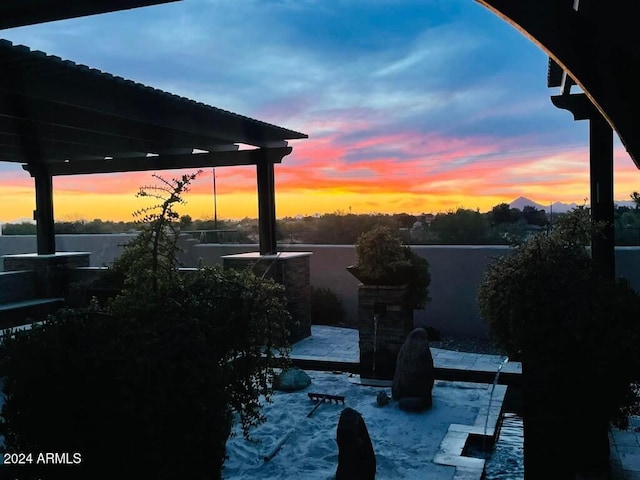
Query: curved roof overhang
[{"x": 595, "y": 42}]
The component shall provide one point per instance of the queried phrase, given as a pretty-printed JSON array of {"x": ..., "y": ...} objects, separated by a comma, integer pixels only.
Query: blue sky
[{"x": 417, "y": 106}]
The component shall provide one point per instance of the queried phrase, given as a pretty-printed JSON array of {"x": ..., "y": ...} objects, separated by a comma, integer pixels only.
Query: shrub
[
  {"x": 326, "y": 308},
  {"x": 547, "y": 305},
  {"x": 383, "y": 260},
  {"x": 150, "y": 384}
]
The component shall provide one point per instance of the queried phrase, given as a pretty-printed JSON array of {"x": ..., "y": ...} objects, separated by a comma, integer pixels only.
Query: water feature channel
[{"x": 506, "y": 460}]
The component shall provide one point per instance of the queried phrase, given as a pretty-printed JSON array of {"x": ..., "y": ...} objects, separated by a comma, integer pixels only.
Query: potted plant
[
  {"x": 394, "y": 282},
  {"x": 383, "y": 260},
  {"x": 576, "y": 333}
]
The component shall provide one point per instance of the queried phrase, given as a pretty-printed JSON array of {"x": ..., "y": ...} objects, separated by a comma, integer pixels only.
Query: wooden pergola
[{"x": 61, "y": 118}]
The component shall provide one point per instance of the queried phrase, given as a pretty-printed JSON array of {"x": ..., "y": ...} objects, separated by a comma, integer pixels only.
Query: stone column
[
  {"x": 291, "y": 269},
  {"x": 385, "y": 318}
]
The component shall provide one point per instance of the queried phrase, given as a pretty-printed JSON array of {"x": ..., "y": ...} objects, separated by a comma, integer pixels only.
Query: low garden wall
[{"x": 456, "y": 272}]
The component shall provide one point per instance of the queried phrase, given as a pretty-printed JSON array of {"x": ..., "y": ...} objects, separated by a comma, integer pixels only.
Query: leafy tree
[
  {"x": 340, "y": 229},
  {"x": 185, "y": 221},
  {"x": 152, "y": 257},
  {"x": 502, "y": 213},
  {"x": 23, "y": 228},
  {"x": 533, "y": 216},
  {"x": 405, "y": 220},
  {"x": 627, "y": 225},
  {"x": 461, "y": 227}
]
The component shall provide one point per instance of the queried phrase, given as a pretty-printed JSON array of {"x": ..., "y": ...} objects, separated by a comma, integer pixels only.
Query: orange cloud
[{"x": 410, "y": 174}]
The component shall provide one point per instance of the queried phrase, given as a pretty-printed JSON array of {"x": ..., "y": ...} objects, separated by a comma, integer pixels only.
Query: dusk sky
[{"x": 410, "y": 106}]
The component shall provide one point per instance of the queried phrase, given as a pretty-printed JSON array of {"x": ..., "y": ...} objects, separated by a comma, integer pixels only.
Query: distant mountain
[
  {"x": 557, "y": 207},
  {"x": 522, "y": 202},
  {"x": 625, "y": 203}
]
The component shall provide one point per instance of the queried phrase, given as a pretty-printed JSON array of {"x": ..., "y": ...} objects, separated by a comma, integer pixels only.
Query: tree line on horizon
[{"x": 503, "y": 224}]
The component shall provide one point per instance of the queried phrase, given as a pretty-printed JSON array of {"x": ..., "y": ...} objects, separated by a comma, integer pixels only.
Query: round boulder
[{"x": 291, "y": 380}]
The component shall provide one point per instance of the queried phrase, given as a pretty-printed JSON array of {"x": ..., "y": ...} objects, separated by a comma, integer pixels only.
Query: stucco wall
[
  {"x": 103, "y": 248},
  {"x": 456, "y": 271}
]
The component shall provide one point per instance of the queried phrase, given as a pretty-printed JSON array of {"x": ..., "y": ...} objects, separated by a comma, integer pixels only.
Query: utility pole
[{"x": 215, "y": 204}]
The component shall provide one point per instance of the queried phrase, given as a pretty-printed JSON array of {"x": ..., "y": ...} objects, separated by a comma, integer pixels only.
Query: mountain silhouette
[{"x": 557, "y": 207}]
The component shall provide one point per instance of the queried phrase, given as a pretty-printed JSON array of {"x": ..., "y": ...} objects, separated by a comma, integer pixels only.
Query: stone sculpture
[
  {"x": 356, "y": 458},
  {"x": 414, "y": 375}
]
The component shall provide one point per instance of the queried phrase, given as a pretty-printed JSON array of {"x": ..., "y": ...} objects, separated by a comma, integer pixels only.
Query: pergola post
[
  {"x": 602, "y": 205},
  {"x": 46, "y": 239},
  {"x": 601, "y": 178},
  {"x": 266, "y": 206}
]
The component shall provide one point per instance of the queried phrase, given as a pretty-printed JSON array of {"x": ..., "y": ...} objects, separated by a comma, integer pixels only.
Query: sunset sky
[{"x": 410, "y": 106}]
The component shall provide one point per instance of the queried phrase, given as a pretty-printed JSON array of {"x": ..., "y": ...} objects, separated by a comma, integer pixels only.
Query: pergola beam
[
  {"x": 17, "y": 13},
  {"x": 167, "y": 162}
]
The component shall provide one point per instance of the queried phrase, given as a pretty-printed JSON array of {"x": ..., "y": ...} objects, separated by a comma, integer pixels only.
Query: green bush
[
  {"x": 383, "y": 260},
  {"x": 326, "y": 308},
  {"x": 149, "y": 385},
  {"x": 547, "y": 305}
]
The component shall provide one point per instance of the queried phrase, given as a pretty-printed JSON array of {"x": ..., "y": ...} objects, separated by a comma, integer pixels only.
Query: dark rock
[
  {"x": 291, "y": 380},
  {"x": 356, "y": 458},
  {"x": 414, "y": 375},
  {"x": 383, "y": 399},
  {"x": 414, "y": 404}
]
